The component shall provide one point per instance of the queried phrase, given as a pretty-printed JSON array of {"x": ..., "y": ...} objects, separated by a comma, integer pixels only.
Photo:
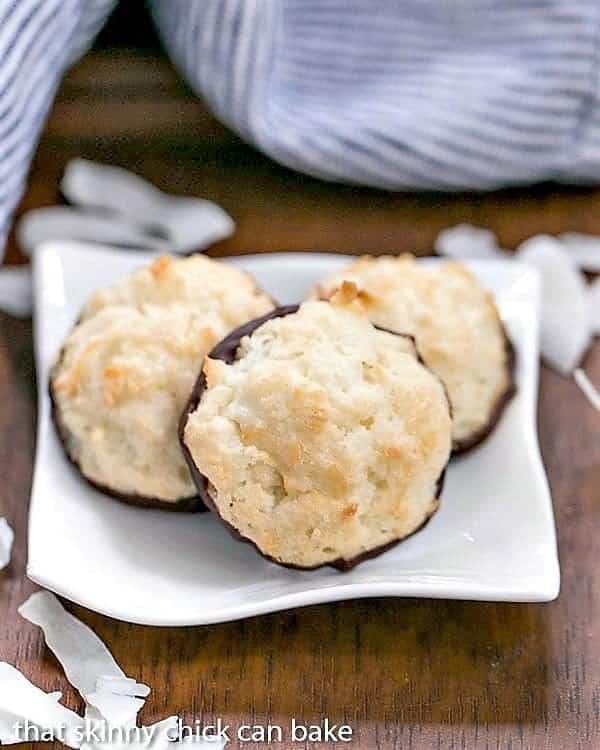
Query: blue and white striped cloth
[{"x": 399, "y": 94}]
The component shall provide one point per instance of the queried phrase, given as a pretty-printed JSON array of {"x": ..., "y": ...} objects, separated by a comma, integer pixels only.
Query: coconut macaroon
[
  {"x": 457, "y": 328},
  {"x": 317, "y": 437},
  {"x": 126, "y": 371}
]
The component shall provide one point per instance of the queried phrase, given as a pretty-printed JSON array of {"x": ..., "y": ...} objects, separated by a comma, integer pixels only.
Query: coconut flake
[
  {"x": 7, "y": 537},
  {"x": 110, "y": 722},
  {"x": 67, "y": 223},
  {"x": 188, "y": 223},
  {"x": 117, "y": 710},
  {"x": 108, "y": 699},
  {"x": 566, "y": 330},
  {"x": 587, "y": 388},
  {"x": 467, "y": 241},
  {"x": 583, "y": 250},
  {"x": 21, "y": 701},
  {"x": 84, "y": 658},
  {"x": 16, "y": 293}
]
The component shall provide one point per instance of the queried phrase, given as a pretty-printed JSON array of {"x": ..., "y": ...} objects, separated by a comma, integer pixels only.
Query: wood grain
[{"x": 404, "y": 674}]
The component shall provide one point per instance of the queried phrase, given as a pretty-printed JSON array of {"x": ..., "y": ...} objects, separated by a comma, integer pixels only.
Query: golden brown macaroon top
[{"x": 325, "y": 439}]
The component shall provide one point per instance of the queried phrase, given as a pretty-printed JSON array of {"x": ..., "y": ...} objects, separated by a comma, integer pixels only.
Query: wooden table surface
[{"x": 403, "y": 673}]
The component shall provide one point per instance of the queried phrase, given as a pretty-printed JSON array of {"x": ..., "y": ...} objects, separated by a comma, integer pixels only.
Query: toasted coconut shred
[{"x": 112, "y": 699}]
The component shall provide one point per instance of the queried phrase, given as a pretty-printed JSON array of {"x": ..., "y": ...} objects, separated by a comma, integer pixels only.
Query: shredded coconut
[
  {"x": 566, "y": 329},
  {"x": 188, "y": 223}
]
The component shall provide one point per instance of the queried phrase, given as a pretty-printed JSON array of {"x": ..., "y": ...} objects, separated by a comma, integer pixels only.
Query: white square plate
[{"x": 493, "y": 538}]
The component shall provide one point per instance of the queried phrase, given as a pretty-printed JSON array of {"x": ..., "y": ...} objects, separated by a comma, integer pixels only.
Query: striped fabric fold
[
  {"x": 397, "y": 94},
  {"x": 410, "y": 94},
  {"x": 38, "y": 41}
]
